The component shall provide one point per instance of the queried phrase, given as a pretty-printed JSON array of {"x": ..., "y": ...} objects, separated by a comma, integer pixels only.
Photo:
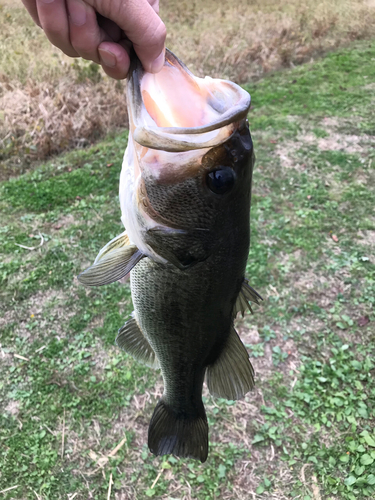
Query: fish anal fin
[
  {"x": 112, "y": 267},
  {"x": 180, "y": 435},
  {"x": 131, "y": 339},
  {"x": 231, "y": 376},
  {"x": 246, "y": 295},
  {"x": 120, "y": 241}
]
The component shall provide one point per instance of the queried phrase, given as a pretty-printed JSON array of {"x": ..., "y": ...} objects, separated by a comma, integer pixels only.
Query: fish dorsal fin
[
  {"x": 111, "y": 267},
  {"x": 131, "y": 339},
  {"x": 247, "y": 294},
  {"x": 122, "y": 240},
  {"x": 231, "y": 376}
]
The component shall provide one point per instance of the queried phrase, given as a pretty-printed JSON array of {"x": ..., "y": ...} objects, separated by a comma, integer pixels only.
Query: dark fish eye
[{"x": 221, "y": 180}]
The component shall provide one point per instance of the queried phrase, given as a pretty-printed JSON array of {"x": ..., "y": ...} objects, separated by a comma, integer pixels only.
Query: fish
[{"x": 185, "y": 194}]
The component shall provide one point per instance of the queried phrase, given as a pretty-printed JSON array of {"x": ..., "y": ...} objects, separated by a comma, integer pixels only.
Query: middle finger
[
  {"x": 53, "y": 18},
  {"x": 85, "y": 33}
]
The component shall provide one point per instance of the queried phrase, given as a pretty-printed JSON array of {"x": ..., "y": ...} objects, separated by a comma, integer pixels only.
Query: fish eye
[{"x": 221, "y": 180}]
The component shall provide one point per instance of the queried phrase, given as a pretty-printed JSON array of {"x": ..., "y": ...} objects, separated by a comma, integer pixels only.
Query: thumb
[{"x": 141, "y": 25}]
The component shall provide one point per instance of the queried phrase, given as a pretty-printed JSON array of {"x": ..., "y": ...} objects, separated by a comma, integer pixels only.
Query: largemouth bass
[{"x": 185, "y": 191}]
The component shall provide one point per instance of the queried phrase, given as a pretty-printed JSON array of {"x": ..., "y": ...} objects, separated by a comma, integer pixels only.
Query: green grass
[
  {"x": 310, "y": 423},
  {"x": 338, "y": 85}
]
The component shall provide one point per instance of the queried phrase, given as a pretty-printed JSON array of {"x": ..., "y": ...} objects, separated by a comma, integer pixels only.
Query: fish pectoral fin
[
  {"x": 246, "y": 295},
  {"x": 231, "y": 376},
  {"x": 131, "y": 339},
  {"x": 122, "y": 240},
  {"x": 183, "y": 435},
  {"x": 111, "y": 267}
]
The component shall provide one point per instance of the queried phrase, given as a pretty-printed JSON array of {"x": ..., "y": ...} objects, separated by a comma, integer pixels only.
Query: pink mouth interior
[{"x": 173, "y": 98}]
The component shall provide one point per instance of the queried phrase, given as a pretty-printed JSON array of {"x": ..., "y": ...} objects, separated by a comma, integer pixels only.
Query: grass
[
  {"x": 50, "y": 103},
  {"x": 69, "y": 397}
]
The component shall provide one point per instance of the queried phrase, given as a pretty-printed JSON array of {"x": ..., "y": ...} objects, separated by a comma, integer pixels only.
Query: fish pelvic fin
[
  {"x": 175, "y": 433},
  {"x": 246, "y": 295},
  {"x": 112, "y": 266},
  {"x": 131, "y": 339},
  {"x": 231, "y": 376}
]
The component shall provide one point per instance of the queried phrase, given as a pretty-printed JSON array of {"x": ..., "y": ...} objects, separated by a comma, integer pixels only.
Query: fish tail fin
[{"x": 178, "y": 434}]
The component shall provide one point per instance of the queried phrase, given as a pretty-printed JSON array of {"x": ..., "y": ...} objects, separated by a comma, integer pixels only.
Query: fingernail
[
  {"x": 107, "y": 58},
  {"x": 77, "y": 12},
  {"x": 158, "y": 63}
]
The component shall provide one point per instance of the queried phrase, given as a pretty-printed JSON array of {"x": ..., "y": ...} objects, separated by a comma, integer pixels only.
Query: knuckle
[
  {"x": 85, "y": 49},
  {"x": 155, "y": 36},
  {"x": 69, "y": 51},
  {"x": 162, "y": 32},
  {"x": 55, "y": 33},
  {"x": 61, "y": 42}
]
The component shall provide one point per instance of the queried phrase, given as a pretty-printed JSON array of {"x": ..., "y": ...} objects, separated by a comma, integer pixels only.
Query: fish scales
[{"x": 185, "y": 193}]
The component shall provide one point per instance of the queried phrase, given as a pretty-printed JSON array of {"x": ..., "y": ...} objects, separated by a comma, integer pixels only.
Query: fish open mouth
[
  {"x": 174, "y": 98},
  {"x": 175, "y": 111}
]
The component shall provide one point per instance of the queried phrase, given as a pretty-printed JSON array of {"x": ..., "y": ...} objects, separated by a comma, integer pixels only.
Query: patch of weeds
[
  {"x": 60, "y": 190},
  {"x": 209, "y": 480},
  {"x": 337, "y": 388},
  {"x": 64, "y": 377},
  {"x": 318, "y": 89},
  {"x": 269, "y": 433},
  {"x": 320, "y": 132},
  {"x": 338, "y": 393},
  {"x": 264, "y": 486},
  {"x": 58, "y": 184},
  {"x": 278, "y": 356},
  {"x": 256, "y": 350},
  {"x": 86, "y": 70},
  {"x": 344, "y": 469},
  {"x": 267, "y": 333},
  {"x": 8, "y": 269},
  {"x": 54, "y": 269},
  {"x": 288, "y": 126}
]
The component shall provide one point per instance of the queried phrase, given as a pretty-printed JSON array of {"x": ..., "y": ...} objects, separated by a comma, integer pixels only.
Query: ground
[{"x": 75, "y": 410}]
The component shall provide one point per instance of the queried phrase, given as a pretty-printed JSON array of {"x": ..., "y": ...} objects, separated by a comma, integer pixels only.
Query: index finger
[
  {"x": 141, "y": 25},
  {"x": 32, "y": 10}
]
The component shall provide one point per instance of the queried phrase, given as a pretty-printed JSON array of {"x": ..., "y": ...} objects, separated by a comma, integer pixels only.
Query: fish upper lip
[{"x": 171, "y": 138}]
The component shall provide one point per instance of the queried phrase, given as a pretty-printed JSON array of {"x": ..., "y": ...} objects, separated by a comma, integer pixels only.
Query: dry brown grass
[
  {"x": 242, "y": 40},
  {"x": 49, "y": 103},
  {"x": 40, "y": 119}
]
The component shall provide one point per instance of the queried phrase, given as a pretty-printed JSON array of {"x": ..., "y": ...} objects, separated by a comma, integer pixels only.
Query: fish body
[{"x": 185, "y": 192}]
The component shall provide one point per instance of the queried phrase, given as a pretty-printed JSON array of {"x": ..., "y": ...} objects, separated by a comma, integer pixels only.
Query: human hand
[{"x": 103, "y": 31}]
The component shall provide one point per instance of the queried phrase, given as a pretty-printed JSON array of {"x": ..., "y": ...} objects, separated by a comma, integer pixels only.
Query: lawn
[{"x": 74, "y": 409}]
